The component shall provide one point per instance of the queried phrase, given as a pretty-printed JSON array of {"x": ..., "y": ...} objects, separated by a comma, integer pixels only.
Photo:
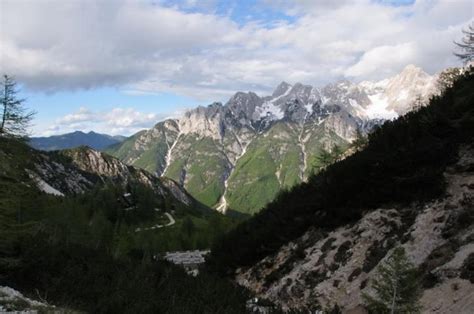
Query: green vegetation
[
  {"x": 82, "y": 252},
  {"x": 403, "y": 162},
  {"x": 14, "y": 117},
  {"x": 396, "y": 286},
  {"x": 327, "y": 158},
  {"x": 144, "y": 150},
  {"x": 320, "y": 139},
  {"x": 272, "y": 163},
  {"x": 360, "y": 142},
  {"x": 151, "y": 158},
  {"x": 202, "y": 163},
  {"x": 125, "y": 150}
]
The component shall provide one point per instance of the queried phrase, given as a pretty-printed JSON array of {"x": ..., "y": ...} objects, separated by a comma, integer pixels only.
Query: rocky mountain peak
[
  {"x": 281, "y": 89},
  {"x": 412, "y": 69},
  {"x": 410, "y": 86},
  {"x": 243, "y": 105},
  {"x": 301, "y": 92}
]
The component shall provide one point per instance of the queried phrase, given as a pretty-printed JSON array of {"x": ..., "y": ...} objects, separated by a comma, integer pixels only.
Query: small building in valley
[{"x": 190, "y": 260}]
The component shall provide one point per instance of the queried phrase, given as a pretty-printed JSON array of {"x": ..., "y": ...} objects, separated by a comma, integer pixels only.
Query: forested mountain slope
[
  {"x": 317, "y": 245},
  {"x": 69, "y": 236}
]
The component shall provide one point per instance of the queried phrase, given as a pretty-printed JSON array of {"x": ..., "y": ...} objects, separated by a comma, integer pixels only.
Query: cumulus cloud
[
  {"x": 81, "y": 116},
  {"x": 383, "y": 60},
  {"x": 159, "y": 46},
  {"x": 117, "y": 121}
]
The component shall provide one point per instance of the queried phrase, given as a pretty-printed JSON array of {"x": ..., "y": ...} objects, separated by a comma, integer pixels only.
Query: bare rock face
[
  {"x": 412, "y": 85},
  {"x": 324, "y": 269},
  {"x": 79, "y": 170},
  {"x": 204, "y": 121}
]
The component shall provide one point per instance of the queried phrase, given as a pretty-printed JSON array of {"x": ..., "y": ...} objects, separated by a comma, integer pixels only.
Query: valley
[{"x": 237, "y": 157}]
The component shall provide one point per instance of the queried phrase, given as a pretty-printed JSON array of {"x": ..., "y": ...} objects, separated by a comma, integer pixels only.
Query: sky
[{"x": 119, "y": 66}]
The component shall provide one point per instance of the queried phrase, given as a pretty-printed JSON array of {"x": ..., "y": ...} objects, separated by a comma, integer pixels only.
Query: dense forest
[
  {"x": 403, "y": 162},
  {"x": 81, "y": 252}
]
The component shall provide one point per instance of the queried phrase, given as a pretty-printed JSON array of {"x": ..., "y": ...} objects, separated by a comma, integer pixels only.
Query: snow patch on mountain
[
  {"x": 270, "y": 109},
  {"x": 169, "y": 153},
  {"x": 378, "y": 108}
]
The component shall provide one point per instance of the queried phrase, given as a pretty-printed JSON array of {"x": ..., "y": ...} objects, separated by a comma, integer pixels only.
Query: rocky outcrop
[
  {"x": 13, "y": 301},
  {"x": 321, "y": 269},
  {"x": 78, "y": 170}
]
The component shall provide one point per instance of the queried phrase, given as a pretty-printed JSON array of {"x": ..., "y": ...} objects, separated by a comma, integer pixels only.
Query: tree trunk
[
  {"x": 392, "y": 310},
  {"x": 4, "y": 116}
]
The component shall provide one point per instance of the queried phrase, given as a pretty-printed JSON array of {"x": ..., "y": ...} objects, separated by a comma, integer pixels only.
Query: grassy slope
[
  {"x": 203, "y": 163},
  {"x": 404, "y": 162},
  {"x": 125, "y": 150},
  {"x": 148, "y": 158},
  {"x": 151, "y": 155},
  {"x": 274, "y": 162},
  {"x": 320, "y": 138},
  {"x": 254, "y": 181}
]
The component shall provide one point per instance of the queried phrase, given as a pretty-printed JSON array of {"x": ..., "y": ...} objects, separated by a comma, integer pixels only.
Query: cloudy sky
[{"x": 118, "y": 66}]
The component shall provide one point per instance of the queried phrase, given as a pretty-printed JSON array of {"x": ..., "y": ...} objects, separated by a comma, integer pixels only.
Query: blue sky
[
  {"x": 121, "y": 66},
  {"x": 51, "y": 107}
]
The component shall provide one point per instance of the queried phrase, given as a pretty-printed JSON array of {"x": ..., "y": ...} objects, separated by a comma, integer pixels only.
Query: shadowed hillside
[{"x": 403, "y": 163}]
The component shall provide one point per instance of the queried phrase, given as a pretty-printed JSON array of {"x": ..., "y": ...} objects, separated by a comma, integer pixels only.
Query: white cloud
[
  {"x": 82, "y": 115},
  {"x": 117, "y": 121},
  {"x": 383, "y": 60},
  {"x": 158, "y": 47}
]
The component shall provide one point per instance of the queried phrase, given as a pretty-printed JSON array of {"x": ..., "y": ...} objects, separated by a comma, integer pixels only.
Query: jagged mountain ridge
[
  {"x": 75, "y": 139},
  {"x": 75, "y": 171},
  {"x": 241, "y": 153}
]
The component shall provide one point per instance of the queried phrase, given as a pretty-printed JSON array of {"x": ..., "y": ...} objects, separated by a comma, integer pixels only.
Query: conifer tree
[
  {"x": 337, "y": 153},
  {"x": 14, "y": 117},
  {"x": 396, "y": 286},
  {"x": 322, "y": 160},
  {"x": 360, "y": 141},
  {"x": 466, "y": 45}
]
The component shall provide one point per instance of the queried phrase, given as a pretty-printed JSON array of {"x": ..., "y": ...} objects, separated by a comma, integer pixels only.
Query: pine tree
[
  {"x": 337, "y": 153},
  {"x": 359, "y": 142},
  {"x": 325, "y": 158},
  {"x": 447, "y": 78},
  {"x": 466, "y": 46},
  {"x": 14, "y": 117},
  {"x": 322, "y": 160},
  {"x": 396, "y": 286}
]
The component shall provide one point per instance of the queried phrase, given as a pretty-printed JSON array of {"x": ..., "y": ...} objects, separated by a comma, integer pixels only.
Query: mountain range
[
  {"x": 75, "y": 139},
  {"x": 240, "y": 154}
]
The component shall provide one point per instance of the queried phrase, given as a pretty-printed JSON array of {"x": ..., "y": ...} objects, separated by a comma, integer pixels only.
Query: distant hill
[{"x": 75, "y": 139}]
